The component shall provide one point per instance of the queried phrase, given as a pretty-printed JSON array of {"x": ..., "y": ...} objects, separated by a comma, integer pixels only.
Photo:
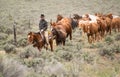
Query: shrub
[
  {"x": 106, "y": 51},
  {"x": 9, "y": 48},
  {"x": 109, "y": 50},
  {"x": 29, "y": 51},
  {"x": 2, "y": 29},
  {"x": 66, "y": 56},
  {"x": 32, "y": 62},
  {"x": 69, "y": 43},
  {"x": 9, "y": 40},
  {"x": 3, "y": 36},
  {"x": 88, "y": 58},
  {"x": 8, "y": 31},
  {"x": 54, "y": 69},
  {"x": 79, "y": 46},
  {"x": 109, "y": 39},
  {"x": 117, "y": 37},
  {"x": 116, "y": 47},
  {"x": 97, "y": 45},
  {"x": 11, "y": 68},
  {"x": 22, "y": 42}
]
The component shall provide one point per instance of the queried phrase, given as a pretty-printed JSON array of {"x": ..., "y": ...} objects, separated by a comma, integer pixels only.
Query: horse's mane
[{"x": 76, "y": 16}]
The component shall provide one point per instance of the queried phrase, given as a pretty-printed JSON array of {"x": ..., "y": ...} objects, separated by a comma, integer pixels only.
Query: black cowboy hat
[{"x": 42, "y": 15}]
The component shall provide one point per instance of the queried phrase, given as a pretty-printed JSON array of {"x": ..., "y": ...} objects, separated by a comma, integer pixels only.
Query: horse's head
[
  {"x": 30, "y": 37},
  {"x": 109, "y": 16},
  {"x": 76, "y": 16},
  {"x": 52, "y": 25},
  {"x": 54, "y": 32},
  {"x": 59, "y": 17}
]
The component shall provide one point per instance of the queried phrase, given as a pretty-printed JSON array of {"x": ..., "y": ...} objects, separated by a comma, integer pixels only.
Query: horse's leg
[
  {"x": 57, "y": 43},
  {"x": 88, "y": 38},
  {"x": 71, "y": 36},
  {"x": 115, "y": 28},
  {"x": 46, "y": 46},
  {"x": 39, "y": 48},
  {"x": 110, "y": 30},
  {"x": 51, "y": 44},
  {"x": 64, "y": 42},
  {"x": 93, "y": 38},
  {"x": 118, "y": 27},
  {"x": 103, "y": 33}
]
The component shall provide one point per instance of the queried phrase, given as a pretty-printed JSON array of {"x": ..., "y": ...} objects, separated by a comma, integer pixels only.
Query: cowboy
[{"x": 43, "y": 25}]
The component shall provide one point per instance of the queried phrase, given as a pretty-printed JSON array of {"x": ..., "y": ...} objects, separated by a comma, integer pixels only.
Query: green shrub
[
  {"x": 29, "y": 51},
  {"x": 66, "y": 56},
  {"x": 9, "y": 48},
  {"x": 92, "y": 46},
  {"x": 106, "y": 51},
  {"x": 117, "y": 37},
  {"x": 79, "y": 46},
  {"x": 97, "y": 45},
  {"x": 32, "y": 62},
  {"x": 109, "y": 50},
  {"x": 2, "y": 29},
  {"x": 87, "y": 57},
  {"x": 22, "y": 42},
  {"x": 3, "y": 36},
  {"x": 9, "y": 31},
  {"x": 116, "y": 47},
  {"x": 10, "y": 40},
  {"x": 109, "y": 39},
  {"x": 69, "y": 43}
]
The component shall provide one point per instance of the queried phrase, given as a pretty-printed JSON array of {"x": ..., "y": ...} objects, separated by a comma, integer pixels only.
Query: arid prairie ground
[{"x": 77, "y": 59}]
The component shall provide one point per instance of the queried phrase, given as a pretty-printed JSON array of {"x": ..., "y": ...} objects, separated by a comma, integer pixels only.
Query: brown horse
[
  {"x": 37, "y": 39},
  {"x": 103, "y": 26},
  {"x": 70, "y": 21},
  {"x": 58, "y": 34},
  {"x": 116, "y": 23},
  {"x": 108, "y": 18},
  {"x": 60, "y": 31},
  {"x": 64, "y": 26}
]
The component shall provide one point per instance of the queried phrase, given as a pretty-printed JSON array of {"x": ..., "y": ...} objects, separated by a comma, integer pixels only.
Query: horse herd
[{"x": 94, "y": 26}]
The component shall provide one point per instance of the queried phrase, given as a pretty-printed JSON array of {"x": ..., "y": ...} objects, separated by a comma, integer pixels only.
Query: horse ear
[
  {"x": 29, "y": 33},
  {"x": 110, "y": 15},
  {"x": 95, "y": 14}
]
